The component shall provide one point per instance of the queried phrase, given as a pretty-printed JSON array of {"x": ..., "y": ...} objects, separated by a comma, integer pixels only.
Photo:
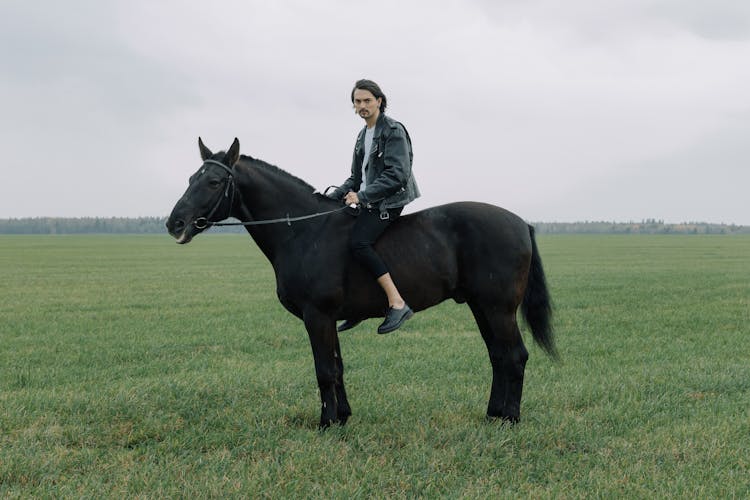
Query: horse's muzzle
[
  {"x": 179, "y": 230},
  {"x": 185, "y": 237}
]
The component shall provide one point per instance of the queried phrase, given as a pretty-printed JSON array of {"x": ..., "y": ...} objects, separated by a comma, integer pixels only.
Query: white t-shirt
[{"x": 369, "y": 133}]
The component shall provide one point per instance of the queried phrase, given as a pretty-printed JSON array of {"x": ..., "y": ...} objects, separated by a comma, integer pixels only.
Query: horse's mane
[
  {"x": 249, "y": 161},
  {"x": 273, "y": 169}
]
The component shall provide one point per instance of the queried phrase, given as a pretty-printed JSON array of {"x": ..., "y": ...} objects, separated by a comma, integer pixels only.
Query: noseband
[{"x": 204, "y": 222}]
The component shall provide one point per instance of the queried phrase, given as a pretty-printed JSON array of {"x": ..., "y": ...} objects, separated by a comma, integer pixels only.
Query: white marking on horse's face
[{"x": 184, "y": 238}]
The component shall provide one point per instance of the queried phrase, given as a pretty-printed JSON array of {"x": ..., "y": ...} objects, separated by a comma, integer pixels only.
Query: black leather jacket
[{"x": 390, "y": 183}]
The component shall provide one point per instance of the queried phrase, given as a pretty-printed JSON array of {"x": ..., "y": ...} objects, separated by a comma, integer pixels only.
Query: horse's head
[{"x": 209, "y": 195}]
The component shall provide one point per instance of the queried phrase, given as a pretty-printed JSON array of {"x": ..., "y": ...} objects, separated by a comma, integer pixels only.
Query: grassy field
[{"x": 133, "y": 367}]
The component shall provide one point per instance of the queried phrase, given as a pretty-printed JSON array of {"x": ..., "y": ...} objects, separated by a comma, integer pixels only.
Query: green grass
[{"x": 131, "y": 366}]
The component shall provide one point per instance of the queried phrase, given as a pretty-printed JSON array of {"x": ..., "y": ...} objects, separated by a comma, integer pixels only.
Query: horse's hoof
[
  {"x": 503, "y": 419},
  {"x": 324, "y": 425}
]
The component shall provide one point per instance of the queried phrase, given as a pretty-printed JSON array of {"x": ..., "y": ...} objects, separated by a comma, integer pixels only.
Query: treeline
[
  {"x": 649, "y": 226},
  {"x": 93, "y": 225},
  {"x": 155, "y": 225},
  {"x": 83, "y": 225}
]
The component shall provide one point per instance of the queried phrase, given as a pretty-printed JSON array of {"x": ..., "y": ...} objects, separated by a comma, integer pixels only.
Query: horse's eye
[{"x": 214, "y": 183}]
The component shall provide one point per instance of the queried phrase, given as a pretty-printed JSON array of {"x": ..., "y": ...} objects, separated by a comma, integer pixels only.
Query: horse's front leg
[
  {"x": 321, "y": 329},
  {"x": 344, "y": 411}
]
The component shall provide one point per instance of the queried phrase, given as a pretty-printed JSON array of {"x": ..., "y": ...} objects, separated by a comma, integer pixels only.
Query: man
[{"x": 382, "y": 184}]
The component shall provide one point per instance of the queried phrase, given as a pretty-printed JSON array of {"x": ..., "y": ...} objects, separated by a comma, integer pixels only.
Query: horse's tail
[{"x": 537, "y": 305}]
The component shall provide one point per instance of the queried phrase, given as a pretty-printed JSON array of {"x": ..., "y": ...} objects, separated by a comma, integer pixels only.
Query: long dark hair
[{"x": 374, "y": 89}]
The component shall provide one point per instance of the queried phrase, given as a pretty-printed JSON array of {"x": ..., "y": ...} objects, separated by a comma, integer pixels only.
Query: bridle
[
  {"x": 204, "y": 222},
  {"x": 229, "y": 191}
]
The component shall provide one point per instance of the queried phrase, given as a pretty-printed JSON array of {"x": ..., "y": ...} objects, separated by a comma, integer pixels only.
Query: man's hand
[{"x": 351, "y": 198}]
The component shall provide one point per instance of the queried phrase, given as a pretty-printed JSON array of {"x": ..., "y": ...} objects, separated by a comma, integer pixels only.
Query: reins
[{"x": 204, "y": 222}]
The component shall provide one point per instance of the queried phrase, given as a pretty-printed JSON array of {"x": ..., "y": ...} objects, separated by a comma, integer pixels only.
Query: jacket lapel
[
  {"x": 379, "y": 125},
  {"x": 360, "y": 146}
]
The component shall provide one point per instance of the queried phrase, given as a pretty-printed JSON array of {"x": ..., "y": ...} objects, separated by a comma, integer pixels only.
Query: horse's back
[
  {"x": 469, "y": 222},
  {"x": 458, "y": 250}
]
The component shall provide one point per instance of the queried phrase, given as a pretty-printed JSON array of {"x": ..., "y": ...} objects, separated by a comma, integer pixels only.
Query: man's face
[{"x": 365, "y": 104}]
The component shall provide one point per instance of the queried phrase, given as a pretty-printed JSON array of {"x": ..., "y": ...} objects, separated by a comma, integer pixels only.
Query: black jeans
[{"x": 366, "y": 231}]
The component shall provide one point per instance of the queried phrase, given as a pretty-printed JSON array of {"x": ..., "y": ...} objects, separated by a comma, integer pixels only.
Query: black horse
[{"x": 470, "y": 252}]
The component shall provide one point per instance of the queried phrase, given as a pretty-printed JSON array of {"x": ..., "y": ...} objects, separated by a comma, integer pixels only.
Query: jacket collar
[{"x": 379, "y": 125}]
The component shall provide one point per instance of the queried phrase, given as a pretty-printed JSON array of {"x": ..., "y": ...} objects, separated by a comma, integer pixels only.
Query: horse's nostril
[{"x": 176, "y": 226}]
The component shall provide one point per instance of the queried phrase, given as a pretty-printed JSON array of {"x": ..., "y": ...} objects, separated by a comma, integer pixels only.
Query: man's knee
[
  {"x": 357, "y": 245},
  {"x": 359, "y": 250}
]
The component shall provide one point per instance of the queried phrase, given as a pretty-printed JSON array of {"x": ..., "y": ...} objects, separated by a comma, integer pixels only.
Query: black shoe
[
  {"x": 395, "y": 318},
  {"x": 347, "y": 324}
]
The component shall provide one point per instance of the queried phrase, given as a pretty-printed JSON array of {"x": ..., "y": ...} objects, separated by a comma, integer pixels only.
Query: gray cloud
[
  {"x": 535, "y": 106},
  {"x": 617, "y": 19},
  {"x": 697, "y": 183},
  {"x": 717, "y": 20}
]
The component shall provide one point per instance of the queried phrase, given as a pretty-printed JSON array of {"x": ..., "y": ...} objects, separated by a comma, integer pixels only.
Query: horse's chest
[
  {"x": 309, "y": 278},
  {"x": 288, "y": 303},
  {"x": 292, "y": 290},
  {"x": 297, "y": 292}
]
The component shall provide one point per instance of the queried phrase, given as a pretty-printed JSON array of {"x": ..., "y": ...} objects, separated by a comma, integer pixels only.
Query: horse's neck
[{"x": 267, "y": 193}]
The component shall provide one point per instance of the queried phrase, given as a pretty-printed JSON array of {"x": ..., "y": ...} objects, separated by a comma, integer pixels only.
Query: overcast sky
[{"x": 559, "y": 111}]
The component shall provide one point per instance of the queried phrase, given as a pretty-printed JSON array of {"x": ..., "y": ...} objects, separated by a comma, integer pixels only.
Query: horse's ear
[
  {"x": 233, "y": 155},
  {"x": 205, "y": 152}
]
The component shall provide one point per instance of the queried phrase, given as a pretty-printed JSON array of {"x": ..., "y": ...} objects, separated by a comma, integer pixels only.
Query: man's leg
[{"x": 367, "y": 229}]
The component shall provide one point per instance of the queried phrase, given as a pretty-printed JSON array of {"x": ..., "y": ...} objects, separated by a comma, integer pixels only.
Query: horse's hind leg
[{"x": 508, "y": 356}]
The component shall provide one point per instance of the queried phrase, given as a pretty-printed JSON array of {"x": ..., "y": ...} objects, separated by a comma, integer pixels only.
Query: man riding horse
[{"x": 382, "y": 184}]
